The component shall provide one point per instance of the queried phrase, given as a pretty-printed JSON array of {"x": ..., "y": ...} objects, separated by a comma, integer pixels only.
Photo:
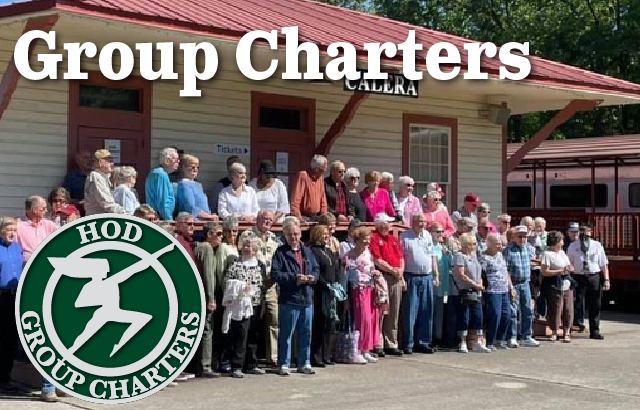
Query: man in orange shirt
[
  {"x": 388, "y": 258},
  {"x": 308, "y": 200}
]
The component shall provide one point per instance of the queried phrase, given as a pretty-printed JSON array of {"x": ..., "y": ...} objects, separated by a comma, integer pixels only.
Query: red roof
[
  {"x": 601, "y": 148},
  {"x": 319, "y": 23}
]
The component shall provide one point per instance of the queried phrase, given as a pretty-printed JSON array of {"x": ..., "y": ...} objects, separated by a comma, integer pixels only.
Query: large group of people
[{"x": 450, "y": 280}]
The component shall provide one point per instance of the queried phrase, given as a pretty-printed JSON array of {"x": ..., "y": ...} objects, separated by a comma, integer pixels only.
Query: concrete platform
[{"x": 584, "y": 375}]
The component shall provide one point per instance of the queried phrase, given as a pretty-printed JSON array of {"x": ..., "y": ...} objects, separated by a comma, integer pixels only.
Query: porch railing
[{"x": 618, "y": 232}]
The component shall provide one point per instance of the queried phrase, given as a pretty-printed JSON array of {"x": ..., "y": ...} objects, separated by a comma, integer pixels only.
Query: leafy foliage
[{"x": 598, "y": 35}]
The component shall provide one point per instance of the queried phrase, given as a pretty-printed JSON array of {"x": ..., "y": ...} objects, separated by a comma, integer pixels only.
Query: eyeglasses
[
  {"x": 439, "y": 232},
  {"x": 194, "y": 168},
  {"x": 152, "y": 219},
  {"x": 409, "y": 185},
  {"x": 218, "y": 233},
  {"x": 341, "y": 172},
  {"x": 355, "y": 178}
]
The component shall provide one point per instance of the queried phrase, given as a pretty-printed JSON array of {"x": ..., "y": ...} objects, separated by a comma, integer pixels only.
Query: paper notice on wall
[
  {"x": 113, "y": 146},
  {"x": 282, "y": 162}
]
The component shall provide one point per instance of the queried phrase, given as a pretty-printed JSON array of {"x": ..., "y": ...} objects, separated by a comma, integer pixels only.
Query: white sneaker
[
  {"x": 513, "y": 343},
  {"x": 480, "y": 348},
  {"x": 369, "y": 358},
  {"x": 463, "y": 348},
  {"x": 502, "y": 344},
  {"x": 360, "y": 360},
  {"x": 492, "y": 348},
  {"x": 530, "y": 342}
]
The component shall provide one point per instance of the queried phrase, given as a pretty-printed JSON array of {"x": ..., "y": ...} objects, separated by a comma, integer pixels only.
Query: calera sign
[{"x": 395, "y": 84}]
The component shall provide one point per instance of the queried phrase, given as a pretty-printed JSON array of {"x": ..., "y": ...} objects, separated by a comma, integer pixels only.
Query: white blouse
[
  {"x": 231, "y": 204},
  {"x": 274, "y": 199}
]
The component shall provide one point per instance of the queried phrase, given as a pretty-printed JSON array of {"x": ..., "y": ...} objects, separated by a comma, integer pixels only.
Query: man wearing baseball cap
[
  {"x": 469, "y": 208},
  {"x": 518, "y": 256},
  {"x": 97, "y": 189}
]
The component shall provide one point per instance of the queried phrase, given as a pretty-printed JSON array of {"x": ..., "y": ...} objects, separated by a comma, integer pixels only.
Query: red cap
[
  {"x": 473, "y": 198},
  {"x": 68, "y": 210}
]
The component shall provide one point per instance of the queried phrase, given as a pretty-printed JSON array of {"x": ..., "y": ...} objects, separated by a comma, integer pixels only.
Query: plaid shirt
[{"x": 519, "y": 262}]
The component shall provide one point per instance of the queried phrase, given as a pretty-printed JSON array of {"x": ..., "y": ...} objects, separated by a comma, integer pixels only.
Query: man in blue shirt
[
  {"x": 10, "y": 270},
  {"x": 75, "y": 179},
  {"x": 518, "y": 256},
  {"x": 158, "y": 189}
]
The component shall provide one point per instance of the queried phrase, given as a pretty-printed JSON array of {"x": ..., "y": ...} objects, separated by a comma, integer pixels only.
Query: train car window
[
  {"x": 518, "y": 197},
  {"x": 634, "y": 195},
  {"x": 577, "y": 196}
]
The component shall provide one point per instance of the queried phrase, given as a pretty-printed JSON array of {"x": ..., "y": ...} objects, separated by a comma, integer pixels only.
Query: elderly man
[
  {"x": 519, "y": 256},
  {"x": 337, "y": 193},
  {"x": 421, "y": 275},
  {"x": 75, "y": 179},
  {"x": 386, "y": 182},
  {"x": 504, "y": 224},
  {"x": 206, "y": 256},
  {"x": 434, "y": 212},
  {"x": 295, "y": 269},
  {"x": 573, "y": 234},
  {"x": 308, "y": 198},
  {"x": 34, "y": 228},
  {"x": 268, "y": 244},
  {"x": 98, "y": 198},
  {"x": 157, "y": 187},
  {"x": 464, "y": 225},
  {"x": 592, "y": 274},
  {"x": 388, "y": 258},
  {"x": 469, "y": 209},
  {"x": 484, "y": 229}
]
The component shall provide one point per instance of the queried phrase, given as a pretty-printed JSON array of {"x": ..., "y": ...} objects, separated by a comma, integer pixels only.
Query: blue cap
[{"x": 574, "y": 227}]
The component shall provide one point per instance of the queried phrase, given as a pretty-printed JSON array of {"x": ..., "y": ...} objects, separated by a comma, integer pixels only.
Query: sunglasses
[
  {"x": 409, "y": 185},
  {"x": 439, "y": 232},
  {"x": 342, "y": 172},
  {"x": 218, "y": 233},
  {"x": 194, "y": 168},
  {"x": 152, "y": 219}
]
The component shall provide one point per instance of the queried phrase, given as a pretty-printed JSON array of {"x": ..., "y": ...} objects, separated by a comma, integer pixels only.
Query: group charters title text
[{"x": 343, "y": 63}]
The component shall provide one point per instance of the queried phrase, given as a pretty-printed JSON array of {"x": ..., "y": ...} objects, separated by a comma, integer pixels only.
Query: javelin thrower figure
[{"x": 106, "y": 294}]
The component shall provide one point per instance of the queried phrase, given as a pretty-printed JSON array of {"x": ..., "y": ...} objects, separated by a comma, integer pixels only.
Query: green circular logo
[{"x": 110, "y": 308}]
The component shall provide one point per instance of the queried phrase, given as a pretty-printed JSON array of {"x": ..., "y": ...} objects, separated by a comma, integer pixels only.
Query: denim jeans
[
  {"x": 47, "y": 387},
  {"x": 498, "y": 316},
  {"x": 469, "y": 318},
  {"x": 417, "y": 310},
  {"x": 523, "y": 301},
  {"x": 293, "y": 318}
]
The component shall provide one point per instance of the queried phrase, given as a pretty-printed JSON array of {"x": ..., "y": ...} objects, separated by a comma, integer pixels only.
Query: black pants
[
  {"x": 323, "y": 333},
  {"x": 8, "y": 335},
  {"x": 255, "y": 338},
  {"x": 237, "y": 342},
  {"x": 219, "y": 339},
  {"x": 588, "y": 294}
]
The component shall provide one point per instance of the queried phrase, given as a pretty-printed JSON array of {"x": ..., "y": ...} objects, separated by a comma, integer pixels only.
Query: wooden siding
[{"x": 37, "y": 120}]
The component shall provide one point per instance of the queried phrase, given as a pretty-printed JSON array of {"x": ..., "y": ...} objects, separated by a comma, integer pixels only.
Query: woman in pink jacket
[
  {"x": 408, "y": 204},
  {"x": 435, "y": 213},
  {"x": 376, "y": 200}
]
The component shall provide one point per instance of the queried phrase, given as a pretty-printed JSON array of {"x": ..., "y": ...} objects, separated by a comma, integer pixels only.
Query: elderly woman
[
  {"x": 444, "y": 307},
  {"x": 434, "y": 212},
  {"x": 468, "y": 280},
  {"x": 124, "y": 194},
  {"x": 11, "y": 270},
  {"x": 229, "y": 247},
  {"x": 350, "y": 242},
  {"x": 62, "y": 211},
  {"x": 497, "y": 295},
  {"x": 271, "y": 192},
  {"x": 329, "y": 220},
  {"x": 484, "y": 211},
  {"x": 376, "y": 199},
  {"x": 362, "y": 276},
  {"x": 386, "y": 183},
  {"x": 238, "y": 199},
  {"x": 244, "y": 282},
  {"x": 326, "y": 306},
  {"x": 408, "y": 204},
  {"x": 190, "y": 195},
  {"x": 352, "y": 179},
  {"x": 556, "y": 270}
]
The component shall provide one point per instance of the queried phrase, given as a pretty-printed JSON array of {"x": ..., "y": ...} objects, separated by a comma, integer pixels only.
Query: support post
[
  {"x": 544, "y": 184},
  {"x": 535, "y": 187},
  {"x": 593, "y": 186},
  {"x": 560, "y": 118},
  {"x": 616, "y": 187},
  {"x": 340, "y": 124}
]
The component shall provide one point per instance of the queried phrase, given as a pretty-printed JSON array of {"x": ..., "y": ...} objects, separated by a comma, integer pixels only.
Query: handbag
[
  {"x": 346, "y": 345},
  {"x": 470, "y": 297}
]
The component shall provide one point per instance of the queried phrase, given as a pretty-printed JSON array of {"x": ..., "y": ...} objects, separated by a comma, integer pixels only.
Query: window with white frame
[{"x": 429, "y": 157}]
